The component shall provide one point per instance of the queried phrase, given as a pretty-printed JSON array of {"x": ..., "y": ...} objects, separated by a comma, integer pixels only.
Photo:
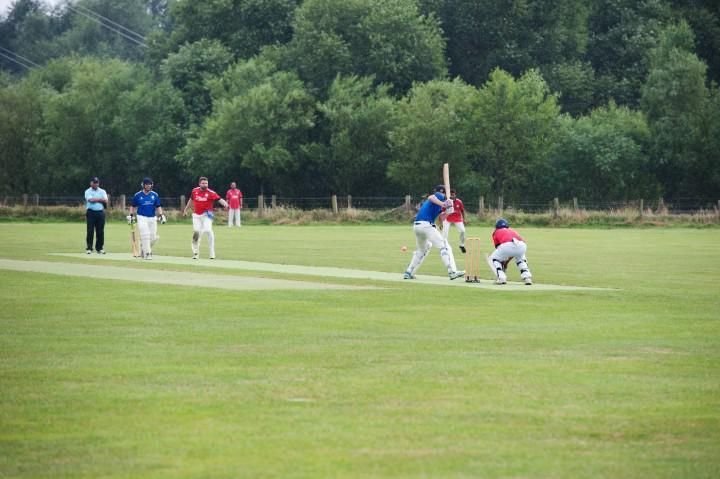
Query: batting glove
[
  {"x": 162, "y": 219},
  {"x": 131, "y": 219}
]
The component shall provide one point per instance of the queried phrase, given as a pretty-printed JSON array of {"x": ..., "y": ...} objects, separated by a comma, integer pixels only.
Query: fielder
[
  {"x": 146, "y": 203},
  {"x": 203, "y": 198},
  {"x": 508, "y": 245},
  {"x": 234, "y": 197},
  {"x": 456, "y": 218},
  {"x": 427, "y": 236}
]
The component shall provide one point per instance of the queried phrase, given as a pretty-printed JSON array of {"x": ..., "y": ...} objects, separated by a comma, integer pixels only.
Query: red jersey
[
  {"x": 234, "y": 198},
  {"x": 505, "y": 235},
  {"x": 203, "y": 200},
  {"x": 457, "y": 214}
]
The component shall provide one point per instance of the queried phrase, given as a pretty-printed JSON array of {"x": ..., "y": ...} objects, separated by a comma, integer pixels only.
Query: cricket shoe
[
  {"x": 212, "y": 256},
  {"x": 102, "y": 251},
  {"x": 528, "y": 281},
  {"x": 456, "y": 274},
  {"x": 195, "y": 256},
  {"x": 408, "y": 276},
  {"x": 88, "y": 251},
  {"x": 500, "y": 281},
  {"x": 462, "y": 248},
  {"x": 148, "y": 256}
]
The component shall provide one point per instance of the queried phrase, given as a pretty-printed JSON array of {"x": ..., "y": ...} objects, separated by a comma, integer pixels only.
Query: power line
[
  {"x": 15, "y": 60},
  {"x": 26, "y": 60},
  {"x": 138, "y": 36},
  {"x": 102, "y": 24}
]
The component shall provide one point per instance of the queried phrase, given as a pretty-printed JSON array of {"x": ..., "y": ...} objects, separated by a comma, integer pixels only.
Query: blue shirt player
[
  {"x": 146, "y": 203},
  {"x": 427, "y": 235}
]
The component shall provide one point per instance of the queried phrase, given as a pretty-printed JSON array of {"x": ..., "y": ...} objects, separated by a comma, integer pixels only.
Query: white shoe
[
  {"x": 212, "y": 256},
  {"x": 456, "y": 274},
  {"x": 528, "y": 281},
  {"x": 408, "y": 276},
  {"x": 195, "y": 256},
  {"x": 88, "y": 251},
  {"x": 148, "y": 256},
  {"x": 102, "y": 251},
  {"x": 500, "y": 281}
]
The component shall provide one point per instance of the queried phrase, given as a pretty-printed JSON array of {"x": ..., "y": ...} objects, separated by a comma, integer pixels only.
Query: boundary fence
[{"x": 408, "y": 202}]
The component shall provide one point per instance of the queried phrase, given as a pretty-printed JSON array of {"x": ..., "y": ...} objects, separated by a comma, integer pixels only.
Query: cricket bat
[
  {"x": 446, "y": 179},
  {"x": 134, "y": 242}
]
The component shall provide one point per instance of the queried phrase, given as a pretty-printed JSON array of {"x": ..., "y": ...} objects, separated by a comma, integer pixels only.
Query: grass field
[{"x": 119, "y": 379}]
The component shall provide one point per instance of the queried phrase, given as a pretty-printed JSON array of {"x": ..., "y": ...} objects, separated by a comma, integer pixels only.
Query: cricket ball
[{"x": 403, "y": 248}]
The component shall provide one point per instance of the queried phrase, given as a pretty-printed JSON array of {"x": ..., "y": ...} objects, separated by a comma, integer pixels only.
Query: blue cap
[
  {"x": 501, "y": 223},
  {"x": 147, "y": 181},
  {"x": 94, "y": 179}
]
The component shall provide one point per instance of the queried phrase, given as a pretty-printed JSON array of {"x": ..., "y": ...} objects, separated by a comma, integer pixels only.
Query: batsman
[{"x": 147, "y": 211}]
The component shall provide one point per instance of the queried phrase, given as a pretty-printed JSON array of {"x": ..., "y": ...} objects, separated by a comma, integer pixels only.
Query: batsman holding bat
[{"x": 146, "y": 211}]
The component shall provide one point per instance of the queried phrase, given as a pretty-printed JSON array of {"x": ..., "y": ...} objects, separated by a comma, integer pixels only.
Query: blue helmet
[
  {"x": 502, "y": 223},
  {"x": 147, "y": 181},
  {"x": 440, "y": 188}
]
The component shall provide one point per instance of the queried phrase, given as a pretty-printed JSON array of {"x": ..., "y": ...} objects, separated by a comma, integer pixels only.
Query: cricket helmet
[
  {"x": 501, "y": 223},
  {"x": 440, "y": 188},
  {"x": 147, "y": 181}
]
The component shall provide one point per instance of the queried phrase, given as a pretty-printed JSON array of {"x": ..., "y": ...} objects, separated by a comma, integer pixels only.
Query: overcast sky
[{"x": 5, "y": 4}]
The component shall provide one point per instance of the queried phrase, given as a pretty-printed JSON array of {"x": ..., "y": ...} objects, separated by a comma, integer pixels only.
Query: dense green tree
[
  {"x": 433, "y": 126},
  {"x": 575, "y": 85},
  {"x": 189, "y": 70},
  {"x": 515, "y": 123},
  {"x": 515, "y": 36},
  {"x": 387, "y": 39},
  {"x": 243, "y": 26},
  {"x": 358, "y": 118},
  {"x": 262, "y": 119},
  {"x": 622, "y": 33},
  {"x": 21, "y": 117},
  {"x": 604, "y": 156},
  {"x": 674, "y": 98}
]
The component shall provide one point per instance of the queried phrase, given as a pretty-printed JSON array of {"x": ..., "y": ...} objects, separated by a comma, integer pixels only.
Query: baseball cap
[
  {"x": 147, "y": 181},
  {"x": 94, "y": 179}
]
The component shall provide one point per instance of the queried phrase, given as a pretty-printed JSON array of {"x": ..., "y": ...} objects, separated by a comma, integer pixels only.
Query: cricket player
[
  {"x": 146, "y": 210},
  {"x": 508, "y": 245},
  {"x": 234, "y": 198},
  {"x": 96, "y": 202},
  {"x": 203, "y": 199},
  {"x": 456, "y": 218},
  {"x": 427, "y": 235}
]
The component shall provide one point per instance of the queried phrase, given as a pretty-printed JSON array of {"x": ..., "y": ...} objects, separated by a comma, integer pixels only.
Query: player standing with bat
[{"x": 146, "y": 203}]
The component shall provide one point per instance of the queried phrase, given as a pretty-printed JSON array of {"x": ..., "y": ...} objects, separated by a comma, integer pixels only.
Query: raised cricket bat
[
  {"x": 446, "y": 179},
  {"x": 134, "y": 242}
]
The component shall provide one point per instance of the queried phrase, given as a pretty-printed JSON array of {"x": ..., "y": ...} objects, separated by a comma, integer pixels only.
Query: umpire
[{"x": 96, "y": 200}]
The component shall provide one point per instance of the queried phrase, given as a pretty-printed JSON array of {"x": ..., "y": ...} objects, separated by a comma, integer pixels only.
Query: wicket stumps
[{"x": 474, "y": 260}]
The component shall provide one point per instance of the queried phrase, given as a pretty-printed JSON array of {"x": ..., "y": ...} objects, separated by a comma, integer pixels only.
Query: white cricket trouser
[
  {"x": 147, "y": 227},
  {"x": 203, "y": 224},
  {"x": 460, "y": 227},
  {"x": 427, "y": 236},
  {"x": 234, "y": 216},
  {"x": 512, "y": 249}
]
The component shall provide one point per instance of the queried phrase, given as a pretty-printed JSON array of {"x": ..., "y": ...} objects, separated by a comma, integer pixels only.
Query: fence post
[
  {"x": 333, "y": 203},
  {"x": 661, "y": 206},
  {"x": 273, "y": 201},
  {"x": 122, "y": 202},
  {"x": 407, "y": 202},
  {"x": 556, "y": 206},
  {"x": 575, "y": 203},
  {"x": 481, "y": 205},
  {"x": 349, "y": 200},
  {"x": 25, "y": 199},
  {"x": 717, "y": 210},
  {"x": 501, "y": 204},
  {"x": 261, "y": 205},
  {"x": 642, "y": 206},
  {"x": 182, "y": 203},
  {"x": 36, "y": 199}
]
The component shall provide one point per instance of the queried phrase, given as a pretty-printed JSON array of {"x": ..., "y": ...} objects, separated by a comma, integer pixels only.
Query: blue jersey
[
  {"x": 146, "y": 203},
  {"x": 429, "y": 210}
]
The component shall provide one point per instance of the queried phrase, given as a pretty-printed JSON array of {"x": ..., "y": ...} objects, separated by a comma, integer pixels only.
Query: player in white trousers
[
  {"x": 146, "y": 203},
  {"x": 456, "y": 219},
  {"x": 427, "y": 236},
  {"x": 508, "y": 245},
  {"x": 234, "y": 198},
  {"x": 203, "y": 199}
]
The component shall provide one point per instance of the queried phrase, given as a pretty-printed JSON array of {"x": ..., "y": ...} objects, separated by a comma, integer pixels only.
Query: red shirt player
[
  {"x": 203, "y": 199},
  {"x": 508, "y": 244},
  {"x": 234, "y": 198},
  {"x": 456, "y": 218}
]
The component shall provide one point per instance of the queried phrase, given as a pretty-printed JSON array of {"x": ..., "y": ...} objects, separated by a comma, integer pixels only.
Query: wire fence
[{"x": 408, "y": 202}]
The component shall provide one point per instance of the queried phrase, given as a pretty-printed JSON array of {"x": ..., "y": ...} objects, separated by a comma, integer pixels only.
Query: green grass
[{"x": 104, "y": 378}]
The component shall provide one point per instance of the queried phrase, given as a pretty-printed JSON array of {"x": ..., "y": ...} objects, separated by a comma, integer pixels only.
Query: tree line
[{"x": 602, "y": 100}]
